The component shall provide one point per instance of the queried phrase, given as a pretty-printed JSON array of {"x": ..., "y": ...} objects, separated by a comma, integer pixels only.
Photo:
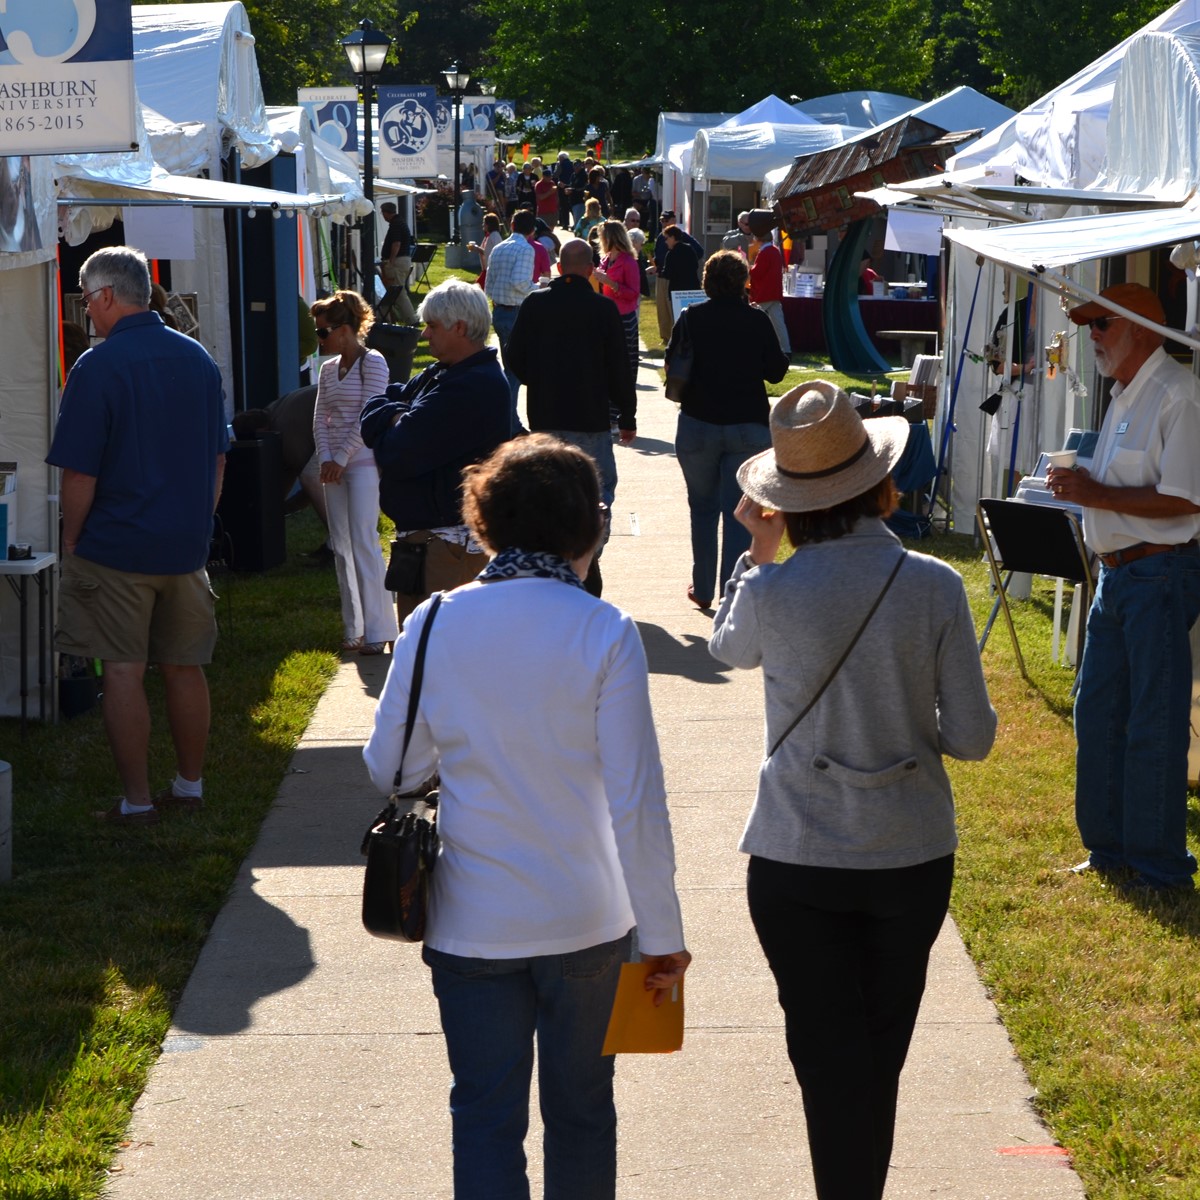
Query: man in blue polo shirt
[{"x": 141, "y": 440}]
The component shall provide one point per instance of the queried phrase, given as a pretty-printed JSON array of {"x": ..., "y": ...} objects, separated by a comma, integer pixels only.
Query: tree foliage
[
  {"x": 1034, "y": 45},
  {"x": 581, "y": 62},
  {"x": 444, "y": 32},
  {"x": 575, "y": 63}
]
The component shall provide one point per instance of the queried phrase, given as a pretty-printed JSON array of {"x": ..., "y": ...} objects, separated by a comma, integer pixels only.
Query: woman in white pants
[{"x": 348, "y": 472}]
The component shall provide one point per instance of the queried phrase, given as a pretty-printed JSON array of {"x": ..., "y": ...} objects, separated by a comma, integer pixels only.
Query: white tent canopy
[
  {"x": 962, "y": 108},
  {"x": 863, "y": 108},
  {"x": 196, "y": 63},
  {"x": 1059, "y": 140},
  {"x": 1153, "y": 131},
  {"x": 769, "y": 110},
  {"x": 748, "y": 152},
  {"x": 1036, "y": 247},
  {"x": 675, "y": 128}
]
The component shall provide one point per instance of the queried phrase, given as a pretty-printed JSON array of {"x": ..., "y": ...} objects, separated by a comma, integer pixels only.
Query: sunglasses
[
  {"x": 323, "y": 331},
  {"x": 1100, "y": 324}
]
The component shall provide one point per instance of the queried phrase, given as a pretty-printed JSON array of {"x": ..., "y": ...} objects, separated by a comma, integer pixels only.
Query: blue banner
[
  {"x": 66, "y": 76},
  {"x": 407, "y": 132}
]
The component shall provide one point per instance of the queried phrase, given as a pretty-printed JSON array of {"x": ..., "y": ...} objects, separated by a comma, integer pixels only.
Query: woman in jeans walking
[
  {"x": 555, "y": 838},
  {"x": 723, "y": 415}
]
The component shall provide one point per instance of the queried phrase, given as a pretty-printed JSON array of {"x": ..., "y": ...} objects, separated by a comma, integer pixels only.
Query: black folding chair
[
  {"x": 1039, "y": 539},
  {"x": 422, "y": 256}
]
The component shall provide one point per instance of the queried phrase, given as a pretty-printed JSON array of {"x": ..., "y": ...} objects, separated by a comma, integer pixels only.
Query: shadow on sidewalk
[{"x": 688, "y": 658}]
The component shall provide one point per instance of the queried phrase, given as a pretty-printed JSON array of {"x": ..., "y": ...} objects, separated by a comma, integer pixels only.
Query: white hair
[{"x": 456, "y": 300}]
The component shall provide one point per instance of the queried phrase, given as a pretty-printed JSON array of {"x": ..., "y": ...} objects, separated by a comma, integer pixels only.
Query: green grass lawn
[{"x": 1099, "y": 992}]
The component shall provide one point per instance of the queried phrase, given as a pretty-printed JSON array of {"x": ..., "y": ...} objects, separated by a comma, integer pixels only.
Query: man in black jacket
[
  {"x": 425, "y": 431},
  {"x": 568, "y": 349}
]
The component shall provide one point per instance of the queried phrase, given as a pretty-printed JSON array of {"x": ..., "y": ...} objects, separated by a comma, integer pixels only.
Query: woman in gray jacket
[{"x": 851, "y": 838}]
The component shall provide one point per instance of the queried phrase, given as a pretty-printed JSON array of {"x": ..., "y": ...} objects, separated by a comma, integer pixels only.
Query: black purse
[
  {"x": 406, "y": 567},
  {"x": 679, "y": 369},
  {"x": 401, "y": 844}
]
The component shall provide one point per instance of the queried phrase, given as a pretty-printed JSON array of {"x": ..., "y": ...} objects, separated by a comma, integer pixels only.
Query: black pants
[{"x": 849, "y": 951}]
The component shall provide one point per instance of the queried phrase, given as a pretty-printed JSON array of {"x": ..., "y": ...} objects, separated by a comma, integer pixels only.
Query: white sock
[
  {"x": 128, "y": 809},
  {"x": 187, "y": 787}
]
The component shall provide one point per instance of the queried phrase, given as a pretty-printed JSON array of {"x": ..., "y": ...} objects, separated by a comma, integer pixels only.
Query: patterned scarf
[{"x": 515, "y": 563}]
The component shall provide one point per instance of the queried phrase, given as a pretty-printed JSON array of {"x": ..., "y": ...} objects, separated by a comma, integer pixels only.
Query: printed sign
[
  {"x": 334, "y": 113},
  {"x": 407, "y": 132},
  {"x": 66, "y": 77},
  {"x": 478, "y": 126}
]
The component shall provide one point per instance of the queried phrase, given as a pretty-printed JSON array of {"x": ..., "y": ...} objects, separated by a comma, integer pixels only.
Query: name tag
[{"x": 1124, "y": 425}]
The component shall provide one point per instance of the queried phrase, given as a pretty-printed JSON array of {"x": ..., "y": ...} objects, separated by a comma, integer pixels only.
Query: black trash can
[
  {"x": 398, "y": 344},
  {"x": 251, "y": 505}
]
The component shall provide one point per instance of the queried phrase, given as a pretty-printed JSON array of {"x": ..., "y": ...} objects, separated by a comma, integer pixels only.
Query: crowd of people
[{"x": 556, "y": 841}]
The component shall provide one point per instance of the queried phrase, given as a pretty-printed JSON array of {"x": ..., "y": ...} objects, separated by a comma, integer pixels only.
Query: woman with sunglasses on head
[{"x": 350, "y": 376}]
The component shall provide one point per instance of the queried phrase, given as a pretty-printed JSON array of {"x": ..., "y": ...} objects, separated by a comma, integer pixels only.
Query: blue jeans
[
  {"x": 1132, "y": 718},
  {"x": 491, "y": 1010},
  {"x": 504, "y": 317},
  {"x": 709, "y": 456},
  {"x": 600, "y": 447}
]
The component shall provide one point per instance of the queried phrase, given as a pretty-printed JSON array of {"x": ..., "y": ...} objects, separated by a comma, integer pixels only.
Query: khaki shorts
[
  {"x": 446, "y": 566},
  {"x": 122, "y": 616}
]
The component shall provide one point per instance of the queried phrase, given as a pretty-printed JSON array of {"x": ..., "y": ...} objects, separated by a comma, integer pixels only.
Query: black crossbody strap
[
  {"x": 414, "y": 692},
  {"x": 845, "y": 655}
]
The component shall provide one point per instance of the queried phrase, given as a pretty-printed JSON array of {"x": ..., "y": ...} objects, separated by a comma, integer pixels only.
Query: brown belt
[{"x": 1119, "y": 558}]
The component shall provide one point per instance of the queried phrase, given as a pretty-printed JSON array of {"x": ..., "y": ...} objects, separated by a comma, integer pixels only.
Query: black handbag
[
  {"x": 683, "y": 357},
  {"x": 406, "y": 567},
  {"x": 401, "y": 844}
]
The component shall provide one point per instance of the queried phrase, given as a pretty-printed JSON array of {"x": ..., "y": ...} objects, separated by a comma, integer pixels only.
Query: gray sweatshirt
[{"x": 859, "y": 782}]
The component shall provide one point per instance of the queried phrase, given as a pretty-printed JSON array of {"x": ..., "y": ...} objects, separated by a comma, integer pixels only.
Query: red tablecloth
[{"x": 803, "y": 317}]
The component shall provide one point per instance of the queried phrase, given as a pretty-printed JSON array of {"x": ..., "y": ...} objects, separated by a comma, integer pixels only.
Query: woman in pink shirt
[{"x": 621, "y": 281}]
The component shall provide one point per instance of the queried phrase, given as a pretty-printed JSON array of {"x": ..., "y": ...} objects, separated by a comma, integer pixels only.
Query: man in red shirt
[{"x": 766, "y": 285}]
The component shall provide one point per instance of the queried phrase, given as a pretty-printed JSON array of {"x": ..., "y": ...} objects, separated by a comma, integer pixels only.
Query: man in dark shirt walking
[{"x": 568, "y": 348}]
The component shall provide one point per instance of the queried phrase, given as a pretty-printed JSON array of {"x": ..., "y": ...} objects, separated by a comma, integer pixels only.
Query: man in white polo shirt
[{"x": 1141, "y": 512}]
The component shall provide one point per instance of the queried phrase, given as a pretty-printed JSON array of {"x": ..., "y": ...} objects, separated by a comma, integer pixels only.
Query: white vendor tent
[
  {"x": 748, "y": 152},
  {"x": 200, "y": 96},
  {"x": 1060, "y": 140},
  {"x": 1100, "y": 152},
  {"x": 862, "y": 108},
  {"x": 770, "y": 110}
]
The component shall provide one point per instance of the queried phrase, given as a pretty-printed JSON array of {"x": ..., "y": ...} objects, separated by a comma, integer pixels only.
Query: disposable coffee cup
[{"x": 1064, "y": 460}]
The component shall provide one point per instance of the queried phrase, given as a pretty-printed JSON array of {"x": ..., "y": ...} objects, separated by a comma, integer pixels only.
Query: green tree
[
  {"x": 954, "y": 52},
  {"x": 444, "y": 32},
  {"x": 1034, "y": 45},
  {"x": 581, "y": 62}
]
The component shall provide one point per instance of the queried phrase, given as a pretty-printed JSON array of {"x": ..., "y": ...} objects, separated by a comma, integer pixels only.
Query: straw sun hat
[{"x": 822, "y": 452}]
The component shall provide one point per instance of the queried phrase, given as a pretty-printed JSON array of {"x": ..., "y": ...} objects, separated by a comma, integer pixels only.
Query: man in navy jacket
[{"x": 424, "y": 432}]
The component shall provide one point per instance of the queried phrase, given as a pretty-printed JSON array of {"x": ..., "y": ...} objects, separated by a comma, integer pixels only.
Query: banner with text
[
  {"x": 478, "y": 126},
  {"x": 407, "y": 132},
  {"x": 66, "y": 81},
  {"x": 334, "y": 113}
]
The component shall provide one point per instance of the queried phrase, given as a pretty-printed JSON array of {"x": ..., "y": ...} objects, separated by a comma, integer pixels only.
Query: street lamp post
[
  {"x": 456, "y": 81},
  {"x": 367, "y": 49}
]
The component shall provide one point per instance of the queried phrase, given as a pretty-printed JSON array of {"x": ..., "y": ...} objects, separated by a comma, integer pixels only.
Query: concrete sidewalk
[{"x": 306, "y": 1061}]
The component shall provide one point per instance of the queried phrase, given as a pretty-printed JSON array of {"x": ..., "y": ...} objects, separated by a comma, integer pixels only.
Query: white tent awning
[
  {"x": 199, "y": 193},
  {"x": 1038, "y": 246}
]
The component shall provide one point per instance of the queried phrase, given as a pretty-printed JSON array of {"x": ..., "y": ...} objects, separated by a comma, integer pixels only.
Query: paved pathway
[{"x": 306, "y": 1062}]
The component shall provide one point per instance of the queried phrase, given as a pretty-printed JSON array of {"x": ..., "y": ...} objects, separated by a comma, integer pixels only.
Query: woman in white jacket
[
  {"x": 851, "y": 838},
  {"x": 555, "y": 838}
]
